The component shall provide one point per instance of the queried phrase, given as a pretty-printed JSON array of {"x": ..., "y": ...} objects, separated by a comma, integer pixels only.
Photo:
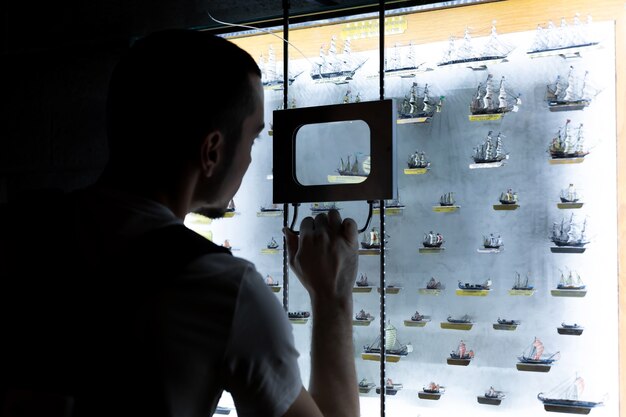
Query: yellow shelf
[
  {"x": 415, "y": 171},
  {"x": 484, "y": 117}
]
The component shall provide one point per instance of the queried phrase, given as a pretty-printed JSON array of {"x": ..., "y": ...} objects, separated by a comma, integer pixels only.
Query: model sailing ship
[
  {"x": 394, "y": 203},
  {"x": 489, "y": 152},
  {"x": 569, "y": 195},
  {"x": 535, "y": 355},
  {"x": 491, "y": 397},
  {"x": 363, "y": 316},
  {"x": 471, "y": 55},
  {"x": 272, "y": 244},
  {"x": 418, "y": 160},
  {"x": 362, "y": 281},
  {"x": 432, "y": 391},
  {"x": 365, "y": 386},
  {"x": 566, "y": 145},
  {"x": 492, "y": 242},
  {"x": 432, "y": 240},
  {"x": 567, "y": 398},
  {"x": 354, "y": 168},
  {"x": 570, "y": 282},
  {"x": 461, "y": 356},
  {"x": 522, "y": 284},
  {"x": 405, "y": 67},
  {"x": 573, "y": 329},
  {"x": 373, "y": 242},
  {"x": 270, "y": 77},
  {"x": 333, "y": 67},
  {"x": 447, "y": 200},
  {"x": 394, "y": 350},
  {"x": 566, "y": 40},
  {"x": 486, "y": 102},
  {"x": 433, "y": 284},
  {"x": 271, "y": 208},
  {"x": 465, "y": 319},
  {"x": 569, "y": 233},
  {"x": 390, "y": 387},
  {"x": 323, "y": 207},
  {"x": 273, "y": 284},
  {"x": 419, "y": 104},
  {"x": 475, "y": 287},
  {"x": 571, "y": 94},
  {"x": 508, "y": 197}
]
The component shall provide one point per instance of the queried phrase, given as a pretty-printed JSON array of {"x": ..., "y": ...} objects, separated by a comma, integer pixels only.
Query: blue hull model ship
[{"x": 567, "y": 398}]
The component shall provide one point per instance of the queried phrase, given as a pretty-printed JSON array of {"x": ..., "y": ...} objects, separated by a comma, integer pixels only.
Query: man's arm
[{"x": 325, "y": 258}]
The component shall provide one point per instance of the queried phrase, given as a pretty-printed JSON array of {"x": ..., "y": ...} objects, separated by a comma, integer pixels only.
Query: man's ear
[{"x": 211, "y": 152}]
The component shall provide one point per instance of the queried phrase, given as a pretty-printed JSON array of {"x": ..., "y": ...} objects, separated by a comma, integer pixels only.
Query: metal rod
[
  {"x": 285, "y": 100},
  {"x": 383, "y": 287}
]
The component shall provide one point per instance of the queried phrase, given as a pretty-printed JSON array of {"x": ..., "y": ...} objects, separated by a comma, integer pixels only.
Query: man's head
[{"x": 169, "y": 93}]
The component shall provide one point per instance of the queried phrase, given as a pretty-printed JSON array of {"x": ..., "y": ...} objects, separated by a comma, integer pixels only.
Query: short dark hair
[{"x": 170, "y": 90}]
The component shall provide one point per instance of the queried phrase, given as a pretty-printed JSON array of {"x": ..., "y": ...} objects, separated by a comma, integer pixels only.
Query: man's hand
[{"x": 325, "y": 255}]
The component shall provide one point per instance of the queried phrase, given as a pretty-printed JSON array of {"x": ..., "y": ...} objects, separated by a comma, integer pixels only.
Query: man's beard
[{"x": 210, "y": 212}]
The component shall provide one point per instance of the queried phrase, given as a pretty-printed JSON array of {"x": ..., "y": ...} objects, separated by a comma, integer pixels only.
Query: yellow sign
[{"x": 484, "y": 117}]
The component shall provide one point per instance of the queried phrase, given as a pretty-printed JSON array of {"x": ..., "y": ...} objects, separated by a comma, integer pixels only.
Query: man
[{"x": 144, "y": 316}]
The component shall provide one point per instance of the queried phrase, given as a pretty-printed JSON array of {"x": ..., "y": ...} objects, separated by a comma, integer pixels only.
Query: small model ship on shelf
[
  {"x": 365, "y": 386},
  {"x": 417, "y": 163},
  {"x": 323, "y": 207},
  {"x": 508, "y": 200},
  {"x": 433, "y": 286},
  {"x": 571, "y": 94},
  {"x": 432, "y": 391},
  {"x": 466, "y": 288},
  {"x": 506, "y": 324},
  {"x": 417, "y": 320},
  {"x": 522, "y": 284},
  {"x": 489, "y": 154},
  {"x": 372, "y": 241},
  {"x": 390, "y": 387},
  {"x": 418, "y": 107},
  {"x": 461, "y": 356},
  {"x": 362, "y": 318},
  {"x": 471, "y": 56},
  {"x": 566, "y": 40},
  {"x": 348, "y": 98},
  {"x": 404, "y": 67},
  {"x": 491, "y": 397},
  {"x": 535, "y": 360},
  {"x": 270, "y": 77},
  {"x": 230, "y": 209},
  {"x": 573, "y": 329},
  {"x": 486, "y": 106},
  {"x": 463, "y": 323},
  {"x": 271, "y": 208},
  {"x": 565, "y": 148},
  {"x": 491, "y": 244},
  {"x": 432, "y": 240},
  {"x": 570, "y": 198},
  {"x": 447, "y": 199},
  {"x": 270, "y": 282},
  {"x": 394, "y": 350},
  {"x": 362, "y": 284},
  {"x": 570, "y": 286},
  {"x": 356, "y": 171},
  {"x": 393, "y": 206},
  {"x": 272, "y": 244},
  {"x": 567, "y": 398},
  {"x": 299, "y": 317},
  {"x": 569, "y": 236},
  {"x": 333, "y": 67}
]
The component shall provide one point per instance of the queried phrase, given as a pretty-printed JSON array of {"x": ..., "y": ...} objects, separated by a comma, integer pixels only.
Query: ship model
[
  {"x": 417, "y": 320},
  {"x": 569, "y": 233},
  {"x": 394, "y": 203},
  {"x": 570, "y": 282},
  {"x": 362, "y": 281},
  {"x": 371, "y": 240},
  {"x": 475, "y": 287},
  {"x": 271, "y": 208},
  {"x": 506, "y": 324},
  {"x": 569, "y": 195},
  {"x": 363, "y": 317},
  {"x": 508, "y": 197},
  {"x": 433, "y": 284},
  {"x": 447, "y": 200},
  {"x": 272, "y": 244},
  {"x": 432, "y": 240},
  {"x": 394, "y": 350},
  {"x": 347, "y": 98},
  {"x": 534, "y": 358},
  {"x": 489, "y": 152},
  {"x": 465, "y": 319},
  {"x": 487, "y": 101},
  {"x": 270, "y": 77},
  {"x": 566, "y": 40},
  {"x": 365, "y": 386},
  {"x": 334, "y": 67},
  {"x": 419, "y": 104},
  {"x": 492, "y": 242},
  {"x": 571, "y": 329},
  {"x": 390, "y": 387},
  {"x": 491, "y": 397},
  {"x": 432, "y": 391},
  {"x": 299, "y": 317},
  {"x": 354, "y": 168},
  {"x": 522, "y": 284},
  {"x": 566, "y": 145},
  {"x": 461, "y": 356},
  {"x": 273, "y": 284},
  {"x": 472, "y": 56},
  {"x": 567, "y": 398},
  {"x": 403, "y": 66},
  {"x": 323, "y": 207},
  {"x": 574, "y": 93},
  {"x": 418, "y": 160},
  {"x": 231, "y": 207}
]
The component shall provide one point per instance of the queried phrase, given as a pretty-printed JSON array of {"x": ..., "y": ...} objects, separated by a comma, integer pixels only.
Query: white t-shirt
[{"x": 220, "y": 326}]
